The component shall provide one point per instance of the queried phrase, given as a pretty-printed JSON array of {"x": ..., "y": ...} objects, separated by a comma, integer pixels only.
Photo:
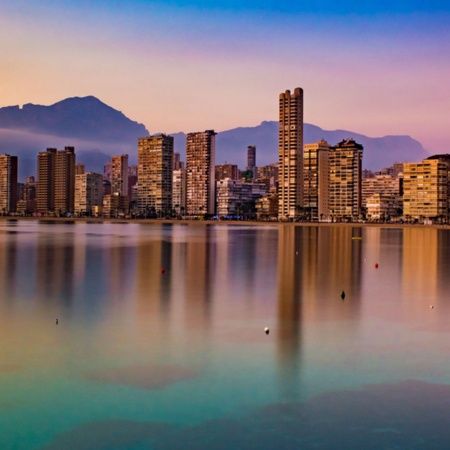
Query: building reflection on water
[
  {"x": 9, "y": 262},
  {"x": 315, "y": 264},
  {"x": 420, "y": 266},
  {"x": 289, "y": 309},
  {"x": 55, "y": 268},
  {"x": 217, "y": 280},
  {"x": 199, "y": 266}
]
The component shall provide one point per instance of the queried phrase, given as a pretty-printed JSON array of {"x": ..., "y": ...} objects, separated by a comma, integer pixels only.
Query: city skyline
[{"x": 379, "y": 69}]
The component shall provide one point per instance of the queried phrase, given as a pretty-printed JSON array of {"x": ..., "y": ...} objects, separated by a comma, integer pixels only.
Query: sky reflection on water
[{"x": 150, "y": 359}]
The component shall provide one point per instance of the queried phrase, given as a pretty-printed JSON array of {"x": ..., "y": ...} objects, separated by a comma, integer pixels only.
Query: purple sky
[{"x": 376, "y": 69}]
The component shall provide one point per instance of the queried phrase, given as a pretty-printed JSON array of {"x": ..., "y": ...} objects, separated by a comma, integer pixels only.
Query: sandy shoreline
[{"x": 221, "y": 222}]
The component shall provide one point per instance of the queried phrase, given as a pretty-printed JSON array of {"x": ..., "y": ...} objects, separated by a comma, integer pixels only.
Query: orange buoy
[{"x": 376, "y": 265}]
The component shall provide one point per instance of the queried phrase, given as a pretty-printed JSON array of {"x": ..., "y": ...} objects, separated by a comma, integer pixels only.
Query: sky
[{"x": 375, "y": 67}]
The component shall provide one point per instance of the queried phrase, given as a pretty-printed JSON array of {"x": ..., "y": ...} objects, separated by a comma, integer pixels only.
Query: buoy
[
  {"x": 162, "y": 271},
  {"x": 376, "y": 265},
  {"x": 343, "y": 295},
  {"x": 431, "y": 306},
  {"x": 266, "y": 330},
  {"x": 56, "y": 321}
]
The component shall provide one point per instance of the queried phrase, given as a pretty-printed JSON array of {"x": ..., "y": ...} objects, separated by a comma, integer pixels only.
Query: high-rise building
[
  {"x": 45, "y": 193},
  {"x": 26, "y": 204},
  {"x": 426, "y": 188},
  {"x": 8, "y": 183},
  {"x": 155, "y": 163},
  {"x": 132, "y": 171},
  {"x": 179, "y": 191},
  {"x": 316, "y": 179},
  {"x": 251, "y": 160},
  {"x": 290, "y": 154},
  {"x": 177, "y": 163},
  {"x": 226, "y": 170},
  {"x": 200, "y": 157},
  {"x": 345, "y": 160},
  {"x": 119, "y": 175},
  {"x": 107, "y": 171},
  {"x": 88, "y": 193},
  {"x": 56, "y": 180},
  {"x": 79, "y": 169},
  {"x": 65, "y": 180}
]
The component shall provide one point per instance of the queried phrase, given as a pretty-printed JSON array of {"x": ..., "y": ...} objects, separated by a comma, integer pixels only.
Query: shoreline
[{"x": 222, "y": 222}]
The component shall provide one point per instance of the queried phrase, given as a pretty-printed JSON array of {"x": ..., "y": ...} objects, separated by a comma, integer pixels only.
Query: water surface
[{"x": 160, "y": 339}]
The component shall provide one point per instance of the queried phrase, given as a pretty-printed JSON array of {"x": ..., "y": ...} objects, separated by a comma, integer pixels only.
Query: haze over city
[{"x": 378, "y": 68}]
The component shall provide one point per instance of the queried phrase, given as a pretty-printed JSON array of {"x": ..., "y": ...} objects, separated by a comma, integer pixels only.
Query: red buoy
[
  {"x": 376, "y": 265},
  {"x": 162, "y": 271}
]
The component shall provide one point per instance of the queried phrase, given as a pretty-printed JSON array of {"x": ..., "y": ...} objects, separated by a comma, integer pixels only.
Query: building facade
[
  {"x": 251, "y": 160},
  {"x": 79, "y": 168},
  {"x": 227, "y": 170},
  {"x": 426, "y": 188},
  {"x": 290, "y": 154},
  {"x": 45, "y": 191},
  {"x": 155, "y": 164},
  {"x": 56, "y": 181},
  {"x": 236, "y": 197},
  {"x": 382, "y": 207},
  {"x": 27, "y": 197},
  {"x": 119, "y": 175},
  {"x": 8, "y": 183},
  {"x": 177, "y": 163},
  {"x": 88, "y": 193},
  {"x": 381, "y": 197},
  {"x": 200, "y": 176},
  {"x": 345, "y": 199},
  {"x": 267, "y": 206},
  {"x": 316, "y": 173},
  {"x": 65, "y": 180},
  {"x": 179, "y": 191}
]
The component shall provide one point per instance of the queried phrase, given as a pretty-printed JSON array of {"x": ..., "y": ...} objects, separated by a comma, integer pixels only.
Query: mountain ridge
[
  {"x": 378, "y": 152},
  {"x": 98, "y": 131}
]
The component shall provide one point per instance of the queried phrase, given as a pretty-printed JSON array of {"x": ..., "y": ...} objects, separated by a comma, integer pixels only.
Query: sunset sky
[{"x": 376, "y": 68}]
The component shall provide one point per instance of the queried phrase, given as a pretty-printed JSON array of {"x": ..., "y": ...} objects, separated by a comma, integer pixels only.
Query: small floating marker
[
  {"x": 376, "y": 265},
  {"x": 57, "y": 321},
  {"x": 296, "y": 253},
  {"x": 343, "y": 295},
  {"x": 431, "y": 307},
  {"x": 266, "y": 330},
  {"x": 163, "y": 271}
]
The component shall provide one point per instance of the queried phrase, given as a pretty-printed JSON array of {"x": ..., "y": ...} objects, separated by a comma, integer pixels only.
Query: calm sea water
[{"x": 142, "y": 359}]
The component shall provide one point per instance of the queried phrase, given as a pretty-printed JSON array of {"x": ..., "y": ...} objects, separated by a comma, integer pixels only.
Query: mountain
[
  {"x": 85, "y": 118},
  {"x": 231, "y": 145},
  {"x": 96, "y": 130}
]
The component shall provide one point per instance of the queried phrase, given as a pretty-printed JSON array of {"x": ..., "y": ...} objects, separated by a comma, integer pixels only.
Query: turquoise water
[{"x": 160, "y": 339}]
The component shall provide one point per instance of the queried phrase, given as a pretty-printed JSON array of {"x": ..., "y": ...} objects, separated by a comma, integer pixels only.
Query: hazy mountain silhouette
[
  {"x": 98, "y": 132},
  {"x": 85, "y": 118},
  {"x": 231, "y": 145}
]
